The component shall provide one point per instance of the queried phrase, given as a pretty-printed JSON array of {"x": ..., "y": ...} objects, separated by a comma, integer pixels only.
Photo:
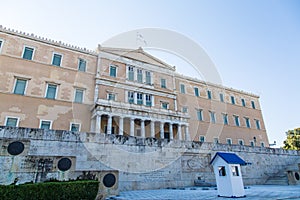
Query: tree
[{"x": 292, "y": 141}]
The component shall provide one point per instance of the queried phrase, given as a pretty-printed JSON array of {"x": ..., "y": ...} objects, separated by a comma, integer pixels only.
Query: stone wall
[{"x": 143, "y": 163}]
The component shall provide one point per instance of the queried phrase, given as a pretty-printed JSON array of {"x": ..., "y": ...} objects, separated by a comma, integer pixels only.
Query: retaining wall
[{"x": 143, "y": 163}]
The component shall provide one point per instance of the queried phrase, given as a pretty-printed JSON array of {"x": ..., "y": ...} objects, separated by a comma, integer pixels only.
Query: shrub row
[{"x": 50, "y": 190}]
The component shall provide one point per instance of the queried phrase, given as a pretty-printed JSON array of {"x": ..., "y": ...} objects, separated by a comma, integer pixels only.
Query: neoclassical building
[{"x": 51, "y": 85}]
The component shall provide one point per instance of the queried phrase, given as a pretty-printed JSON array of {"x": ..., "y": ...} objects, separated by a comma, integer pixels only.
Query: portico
[{"x": 111, "y": 118}]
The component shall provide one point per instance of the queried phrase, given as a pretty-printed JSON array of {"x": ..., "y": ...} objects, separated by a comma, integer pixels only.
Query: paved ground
[{"x": 253, "y": 192}]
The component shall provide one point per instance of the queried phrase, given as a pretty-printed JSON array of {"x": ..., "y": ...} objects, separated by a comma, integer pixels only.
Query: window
[
  {"x": 253, "y": 104},
  {"x": 56, "y": 59},
  {"x": 75, "y": 127},
  {"x": 201, "y": 138},
  {"x": 78, "y": 96},
  {"x": 130, "y": 73},
  {"x": 184, "y": 109},
  {"x": 247, "y": 122},
  {"x": 20, "y": 86},
  {"x": 241, "y": 142},
  {"x": 236, "y": 120},
  {"x": 221, "y": 97},
  {"x": 111, "y": 96},
  {"x": 232, "y": 100},
  {"x": 12, "y": 121},
  {"x": 196, "y": 90},
  {"x": 212, "y": 117},
  {"x": 262, "y": 144},
  {"x": 113, "y": 71},
  {"x": 45, "y": 124},
  {"x": 139, "y": 76},
  {"x": 257, "y": 122},
  {"x": 28, "y": 53},
  {"x": 182, "y": 88},
  {"x": 235, "y": 170},
  {"x": 208, "y": 94},
  {"x": 163, "y": 83},
  {"x": 1, "y": 44},
  {"x": 81, "y": 65},
  {"x": 148, "y": 100},
  {"x": 164, "y": 105},
  {"x": 200, "y": 115},
  {"x": 222, "y": 171},
  {"x": 51, "y": 91},
  {"x": 216, "y": 140},
  {"x": 130, "y": 97},
  {"x": 225, "y": 119},
  {"x": 139, "y": 97},
  {"x": 252, "y": 144},
  {"x": 229, "y": 141},
  {"x": 243, "y": 102},
  {"x": 148, "y": 78}
]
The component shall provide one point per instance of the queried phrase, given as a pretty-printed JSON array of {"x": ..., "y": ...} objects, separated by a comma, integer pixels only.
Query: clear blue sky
[{"x": 254, "y": 44}]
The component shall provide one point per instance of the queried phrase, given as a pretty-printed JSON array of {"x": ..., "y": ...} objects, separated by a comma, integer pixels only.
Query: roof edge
[
  {"x": 139, "y": 50},
  {"x": 178, "y": 75},
  {"x": 46, "y": 40},
  {"x": 223, "y": 156}
]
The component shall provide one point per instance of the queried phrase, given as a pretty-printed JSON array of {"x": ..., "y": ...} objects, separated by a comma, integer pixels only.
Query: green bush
[{"x": 50, "y": 190}]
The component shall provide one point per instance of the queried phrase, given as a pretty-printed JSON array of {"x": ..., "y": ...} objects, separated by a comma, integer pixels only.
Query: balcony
[{"x": 143, "y": 110}]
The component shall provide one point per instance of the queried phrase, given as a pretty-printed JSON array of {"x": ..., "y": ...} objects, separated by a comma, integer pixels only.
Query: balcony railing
[{"x": 141, "y": 108}]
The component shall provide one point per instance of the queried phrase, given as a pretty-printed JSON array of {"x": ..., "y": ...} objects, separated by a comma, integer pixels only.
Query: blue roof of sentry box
[{"x": 230, "y": 158}]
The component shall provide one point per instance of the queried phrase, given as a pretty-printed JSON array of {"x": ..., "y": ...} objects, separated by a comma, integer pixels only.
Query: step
[{"x": 277, "y": 180}]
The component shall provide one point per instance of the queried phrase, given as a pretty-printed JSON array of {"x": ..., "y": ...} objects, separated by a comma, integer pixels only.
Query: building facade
[{"x": 52, "y": 85}]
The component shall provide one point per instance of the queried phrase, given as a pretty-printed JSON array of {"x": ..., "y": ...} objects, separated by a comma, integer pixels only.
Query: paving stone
[{"x": 266, "y": 192}]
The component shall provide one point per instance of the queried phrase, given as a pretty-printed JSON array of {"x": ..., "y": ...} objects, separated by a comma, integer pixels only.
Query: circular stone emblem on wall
[
  {"x": 297, "y": 176},
  {"x": 109, "y": 180},
  {"x": 15, "y": 148},
  {"x": 64, "y": 164}
]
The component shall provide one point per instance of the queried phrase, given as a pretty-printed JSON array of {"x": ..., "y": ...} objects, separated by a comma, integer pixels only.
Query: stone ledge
[{"x": 89, "y": 137}]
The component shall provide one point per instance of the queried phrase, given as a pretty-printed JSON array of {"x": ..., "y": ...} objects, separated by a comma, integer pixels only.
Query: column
[
  {"x": 109, "y": 123},
  {"x": 135, "y": 73},
  {"x": 179, "y": 132},
  {"x": 121, "y": 120},
  {"x": 93, "y": 124},
  {"x": 171, "y": 131},
  {"x": 144, "y": 76},
  {"x": 162, "y": 134},
  {"x": 152, "y": 127},
  {"x": 152, "y": 100},
  {"x": 187, "y": 134},
  {"x": 135, "y": 98},
  {"x": 143, "y": 128},
  {"x": 98, "y": 65},
  {"x": 98, "y": 124},
  {"x": 96, "y": 93},
  {"x": 144, "y": 99},
  {"x": 131, "y": 126}
]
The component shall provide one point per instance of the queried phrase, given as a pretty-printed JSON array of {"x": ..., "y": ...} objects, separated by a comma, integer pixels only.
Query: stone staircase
[{"x": 281, "y": 177}]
